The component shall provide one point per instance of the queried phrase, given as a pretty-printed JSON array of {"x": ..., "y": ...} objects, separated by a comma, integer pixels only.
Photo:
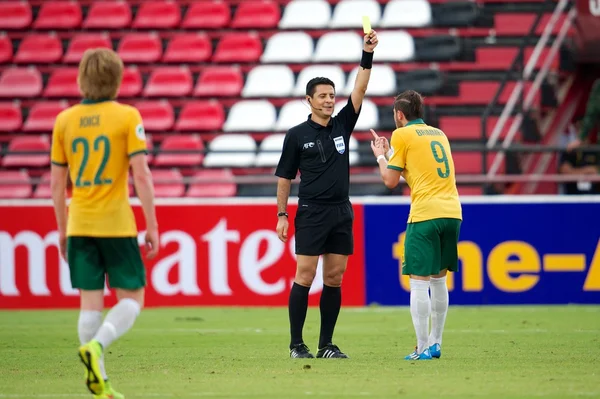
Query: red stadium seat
[
  {"x": 156, "y": 115},
  {"x": 6, "y": 49},
  {"x": 58, "y": 15},
  {"x": 20, "y": 82},
  {"x": 181, "y": 142},
  {"x": 14, "y": 184},
  {"x": 140, "y": 48},
  {"x": 157, "y": 15},
  {"x": 219, "y": 81},
  {"x": 519, "y": 24},
  {"x": 43, "y": 188},
  {"x": 39, "y": 48},
  {"x": 168, "y": 183},
  {"x": 201, "y": 116},
  {"x": 62, "y": 83},
  {"x": 469, "y": 127},
  {"x": 501, "y": 58},
  {"x": 189, "y": 47},
  {"x": 28, "y": 143},
  {"x": 469, "y": 163},
  {"x": 238, "y": 47},
  {"x": 10, "y": 117},
  {"x": 84, "y": 41},
  {"x": 108, "y": 15},
  {"x": 43, "y": 115},
  {"x": 131, "y": 85},
  {"x": 256, "y": 14},
  {"x": 207, "y": 15},
  {"x": 213, "y": 183},
  {"x": 169, "y": 82},
  {"x": 15, "y": 15}
]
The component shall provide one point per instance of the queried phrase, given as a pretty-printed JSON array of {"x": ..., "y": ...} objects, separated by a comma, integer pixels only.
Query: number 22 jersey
[
  {"x": 96, "y": 139},
  {"x": 423, "y": 153}
]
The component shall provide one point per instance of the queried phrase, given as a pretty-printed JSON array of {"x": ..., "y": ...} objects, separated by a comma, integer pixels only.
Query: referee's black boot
[
  {"x": 300, "y": 351},
  {"x": 331, "y": 351}
]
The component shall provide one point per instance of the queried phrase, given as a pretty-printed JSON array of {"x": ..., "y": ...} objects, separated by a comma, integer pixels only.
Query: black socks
[
  {"x": 331, "y": 302},
  {"x": 298, "y": 306}
]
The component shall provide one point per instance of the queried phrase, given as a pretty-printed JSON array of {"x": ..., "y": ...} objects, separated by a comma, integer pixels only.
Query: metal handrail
[
  {"x": 516, "y": 66},
  {"x": 516, "y": 123}
]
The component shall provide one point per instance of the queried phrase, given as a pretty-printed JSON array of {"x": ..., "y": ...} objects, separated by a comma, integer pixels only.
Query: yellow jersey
[
  {"x": 95, "y": 139},
  {"x": 423, "y": 153}
]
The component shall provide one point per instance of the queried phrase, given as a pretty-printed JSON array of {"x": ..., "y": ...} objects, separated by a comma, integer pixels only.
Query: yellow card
[{"x": 366, "y": 24}]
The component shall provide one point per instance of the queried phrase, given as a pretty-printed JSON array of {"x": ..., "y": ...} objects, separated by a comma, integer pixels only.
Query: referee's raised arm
[{"x": 364, "y": 72}]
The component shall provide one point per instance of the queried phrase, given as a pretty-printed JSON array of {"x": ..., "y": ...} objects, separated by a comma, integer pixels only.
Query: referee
[{"x": 318, "y": 148}]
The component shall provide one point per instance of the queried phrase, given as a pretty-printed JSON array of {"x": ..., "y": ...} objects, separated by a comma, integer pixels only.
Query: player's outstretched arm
[
  {"x": 58, "y": 186},
  {"x": 283, "y": 195},
  {"x": 142, "y": 179},
  {"x": 364, "y": 72}
]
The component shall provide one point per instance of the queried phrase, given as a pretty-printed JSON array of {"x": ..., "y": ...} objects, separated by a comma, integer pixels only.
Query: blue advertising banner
[{"x": 510, "y": 253}]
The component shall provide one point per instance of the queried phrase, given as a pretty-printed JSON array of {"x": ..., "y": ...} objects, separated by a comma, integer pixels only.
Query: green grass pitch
[{"x": 491, "y": 352}]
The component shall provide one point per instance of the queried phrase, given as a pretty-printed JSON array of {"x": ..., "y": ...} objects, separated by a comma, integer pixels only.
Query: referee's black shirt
[{"x": 321, "y": 153}]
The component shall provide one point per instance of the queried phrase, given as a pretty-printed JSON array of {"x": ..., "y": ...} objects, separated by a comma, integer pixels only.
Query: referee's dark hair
[
  {"x": 410, "y": 103},
  {"x": 312, "y": 84}
]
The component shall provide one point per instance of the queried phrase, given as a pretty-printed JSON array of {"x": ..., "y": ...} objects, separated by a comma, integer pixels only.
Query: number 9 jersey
[
  {"x": 423, "y": 154},
  {"x": 95, "y": 140}
]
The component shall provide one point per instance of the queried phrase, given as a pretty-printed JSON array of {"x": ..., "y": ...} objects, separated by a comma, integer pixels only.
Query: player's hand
[
  {"x": 377, "y": 148},
  {"x": 370, "y": 41},
  {"x": 282, "y": 228},
  {"x": 380, "y": 140},
  {"x": 62, "y": 245},
  {"x": 152, "y": 244},
  {"x": 573, "y": 144}
]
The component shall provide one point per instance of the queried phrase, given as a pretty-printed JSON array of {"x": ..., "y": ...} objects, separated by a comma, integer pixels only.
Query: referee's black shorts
[{"x": 324, "y": 229}]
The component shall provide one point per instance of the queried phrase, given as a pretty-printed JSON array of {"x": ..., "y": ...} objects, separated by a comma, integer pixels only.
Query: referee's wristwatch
[{"x": 280, "y": 214}]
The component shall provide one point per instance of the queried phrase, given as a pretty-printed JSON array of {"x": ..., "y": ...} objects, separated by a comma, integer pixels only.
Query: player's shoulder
[
  {"x": 125, "y": 109},
  {"x": 402, "y": 133}
]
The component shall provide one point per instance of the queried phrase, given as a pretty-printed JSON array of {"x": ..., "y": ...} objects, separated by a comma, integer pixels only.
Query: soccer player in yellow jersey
[
  {"x": 421, "y": 154},
  {"x": 95, "y": 143}
]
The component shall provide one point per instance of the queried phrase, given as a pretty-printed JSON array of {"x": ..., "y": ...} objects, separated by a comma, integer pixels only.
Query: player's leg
[
  {"x": 439, "y": 289},
  {"x": 127, "y": 275},
  {"x": 88, "y": 275},
  {"x": 334, "y": 266},
  {"x": 439, "y": 309},
  {"x": 311, "y": 232},
  {"x": 339, "y": 245},
  {"x": 422, "y": 250},
  {"x": 306, "y": 269}
]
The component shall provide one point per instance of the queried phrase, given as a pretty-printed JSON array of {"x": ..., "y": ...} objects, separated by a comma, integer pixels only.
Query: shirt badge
[{"x": 340, "y": 145}]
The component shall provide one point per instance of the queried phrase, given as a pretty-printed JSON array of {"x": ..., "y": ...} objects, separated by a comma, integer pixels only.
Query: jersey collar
[
  {"x": 90, "y": 101},
  {"x": 316, "y": 125},
  {"x": 418, "y": 121}
]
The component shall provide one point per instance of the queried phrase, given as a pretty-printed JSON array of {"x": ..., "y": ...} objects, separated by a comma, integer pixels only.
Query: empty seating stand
[{"x": 226, "y": 79}]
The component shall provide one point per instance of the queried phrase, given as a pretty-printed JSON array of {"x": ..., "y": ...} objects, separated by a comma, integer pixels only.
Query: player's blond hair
[{"x": 100, "y": 74}]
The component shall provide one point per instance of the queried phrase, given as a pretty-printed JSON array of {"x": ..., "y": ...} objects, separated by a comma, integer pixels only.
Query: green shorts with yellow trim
[
  {"x": 431, "y": 246},
  {"x": 91, "y": 259}
]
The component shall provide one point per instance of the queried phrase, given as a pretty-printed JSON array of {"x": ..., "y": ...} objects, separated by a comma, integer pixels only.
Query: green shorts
[
  {"x": 92, "y": 258},
  {"x": 431, "y": 246}
]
